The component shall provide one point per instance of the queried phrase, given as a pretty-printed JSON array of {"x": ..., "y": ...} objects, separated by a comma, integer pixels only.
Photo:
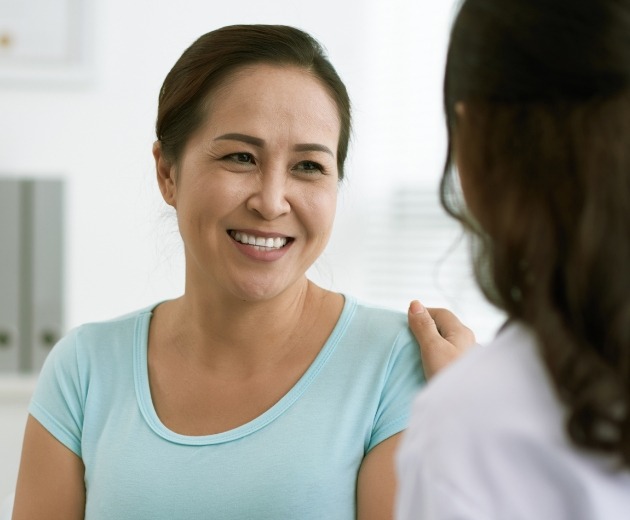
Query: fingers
[
  {"x": 440, "y": 334},
  {"x": 451, "y": 329},
  {"x": 423, "y": 326}
]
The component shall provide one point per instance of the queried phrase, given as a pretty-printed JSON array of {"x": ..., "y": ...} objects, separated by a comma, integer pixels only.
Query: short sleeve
[
  {"x": 403, "y": 379},
  {"x": 58, "y": 400}
]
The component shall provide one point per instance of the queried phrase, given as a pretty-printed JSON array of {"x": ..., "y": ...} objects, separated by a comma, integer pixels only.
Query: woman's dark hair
[
  {"x": 214, "y": 56},
  {"x": 537, "y": 101}
]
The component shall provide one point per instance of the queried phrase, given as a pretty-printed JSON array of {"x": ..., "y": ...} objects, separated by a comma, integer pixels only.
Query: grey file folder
[
  {"x": 10, "y": 191},
  {"x": 31, "y": 271}
]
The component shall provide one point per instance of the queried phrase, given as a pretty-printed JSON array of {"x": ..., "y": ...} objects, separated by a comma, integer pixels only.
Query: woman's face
[{"x": 256, "y": 187}]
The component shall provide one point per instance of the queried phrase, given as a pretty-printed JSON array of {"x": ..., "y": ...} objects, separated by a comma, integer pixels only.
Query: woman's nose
[{"x": 269, "y": 198}]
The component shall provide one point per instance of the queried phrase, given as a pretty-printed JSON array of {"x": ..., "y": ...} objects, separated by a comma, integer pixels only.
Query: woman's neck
[{"x": 228, "y": 334}]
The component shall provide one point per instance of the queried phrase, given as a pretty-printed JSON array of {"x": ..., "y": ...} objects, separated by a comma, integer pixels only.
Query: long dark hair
[
  {"x": 217, "y": 54},
  {"x": 544, "y": 139}
]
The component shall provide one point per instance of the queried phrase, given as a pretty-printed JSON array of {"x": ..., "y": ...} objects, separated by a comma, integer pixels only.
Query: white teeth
[{"x": 259, "y": 242}]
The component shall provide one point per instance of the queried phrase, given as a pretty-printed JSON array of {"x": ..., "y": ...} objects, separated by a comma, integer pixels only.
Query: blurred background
[{"x": 82, "y": 221}]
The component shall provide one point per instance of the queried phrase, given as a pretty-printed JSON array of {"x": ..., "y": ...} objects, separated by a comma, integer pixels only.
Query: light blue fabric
[{"x": 298, "y": 460}]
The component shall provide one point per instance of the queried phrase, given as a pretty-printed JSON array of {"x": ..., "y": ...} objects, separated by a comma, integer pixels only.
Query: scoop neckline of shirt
[{"x": 145, "y": 402}]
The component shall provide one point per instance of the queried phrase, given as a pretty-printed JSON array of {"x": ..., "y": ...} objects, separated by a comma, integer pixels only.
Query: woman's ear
[{"x": 165, "y": 170}]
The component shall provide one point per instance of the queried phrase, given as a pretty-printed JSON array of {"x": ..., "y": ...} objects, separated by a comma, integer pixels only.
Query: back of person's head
[
  {"x": 212, "y": 59},
  {"x": 537, "y": 100}
]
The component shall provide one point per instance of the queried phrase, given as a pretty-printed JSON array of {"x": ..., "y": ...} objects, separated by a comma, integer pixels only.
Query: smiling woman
[
  {"x": 260, "y": 165},
  {"x": 256, "y": 393}
]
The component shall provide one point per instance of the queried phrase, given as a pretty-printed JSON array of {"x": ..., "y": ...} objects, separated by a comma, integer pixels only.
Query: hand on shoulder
[{"x": 440, "y": 334}]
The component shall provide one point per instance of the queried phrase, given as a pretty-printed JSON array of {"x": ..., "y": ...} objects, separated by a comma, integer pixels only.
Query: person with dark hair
[
  {"x": 536, "y": 424},
  {"x": 256, "y": 394}
]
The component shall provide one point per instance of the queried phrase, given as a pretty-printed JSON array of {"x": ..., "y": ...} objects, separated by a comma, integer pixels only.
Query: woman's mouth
[{"x": 260, "y": 243}]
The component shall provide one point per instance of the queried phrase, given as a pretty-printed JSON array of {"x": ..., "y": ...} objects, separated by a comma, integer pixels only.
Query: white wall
[{"x": 122, "y": 250}]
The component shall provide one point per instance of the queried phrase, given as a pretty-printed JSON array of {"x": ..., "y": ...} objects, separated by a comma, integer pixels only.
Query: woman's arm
[
  {"x": 50, "y": 481},
  {"x": 376, "y": 486}
]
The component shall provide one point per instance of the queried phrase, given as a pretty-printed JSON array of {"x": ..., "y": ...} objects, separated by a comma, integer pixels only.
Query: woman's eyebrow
[
  {"x": 313, "y": 147},
  {"x": 244, "y": 138},
  {"x": 260, "y": 143}
]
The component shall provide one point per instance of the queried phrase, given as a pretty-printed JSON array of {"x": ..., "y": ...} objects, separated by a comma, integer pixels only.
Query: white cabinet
[{"x": 43, "y": 40}]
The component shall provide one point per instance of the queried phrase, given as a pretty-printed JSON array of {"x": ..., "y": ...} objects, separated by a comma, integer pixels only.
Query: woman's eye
[
  {"x": 309, "y": 167},
  {"x": 241, "y": 157}
]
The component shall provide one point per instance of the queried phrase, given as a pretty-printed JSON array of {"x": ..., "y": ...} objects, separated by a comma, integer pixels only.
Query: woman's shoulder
[
  {"x": 375, "y": 315},
  {"x": 375, "y": 324},
  {"x": 492, "y": 388},
  {"x": 121, "y": 322},
  {"x": 377, "y": 342},
  {"x": 102, "y": 336},
  {"x": 494, "y": 417}
]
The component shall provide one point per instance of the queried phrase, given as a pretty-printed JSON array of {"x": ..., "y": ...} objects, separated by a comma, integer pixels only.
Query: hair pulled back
[{"x": 214, "y": 56}]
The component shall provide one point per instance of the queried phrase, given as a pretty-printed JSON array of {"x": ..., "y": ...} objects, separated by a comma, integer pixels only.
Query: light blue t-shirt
[{"x": 299, "y": 460}]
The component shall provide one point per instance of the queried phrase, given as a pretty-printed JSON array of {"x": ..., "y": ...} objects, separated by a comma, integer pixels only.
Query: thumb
[
  {"x": 441, "y": 336},
  {"x": 423, "y": 325}
]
